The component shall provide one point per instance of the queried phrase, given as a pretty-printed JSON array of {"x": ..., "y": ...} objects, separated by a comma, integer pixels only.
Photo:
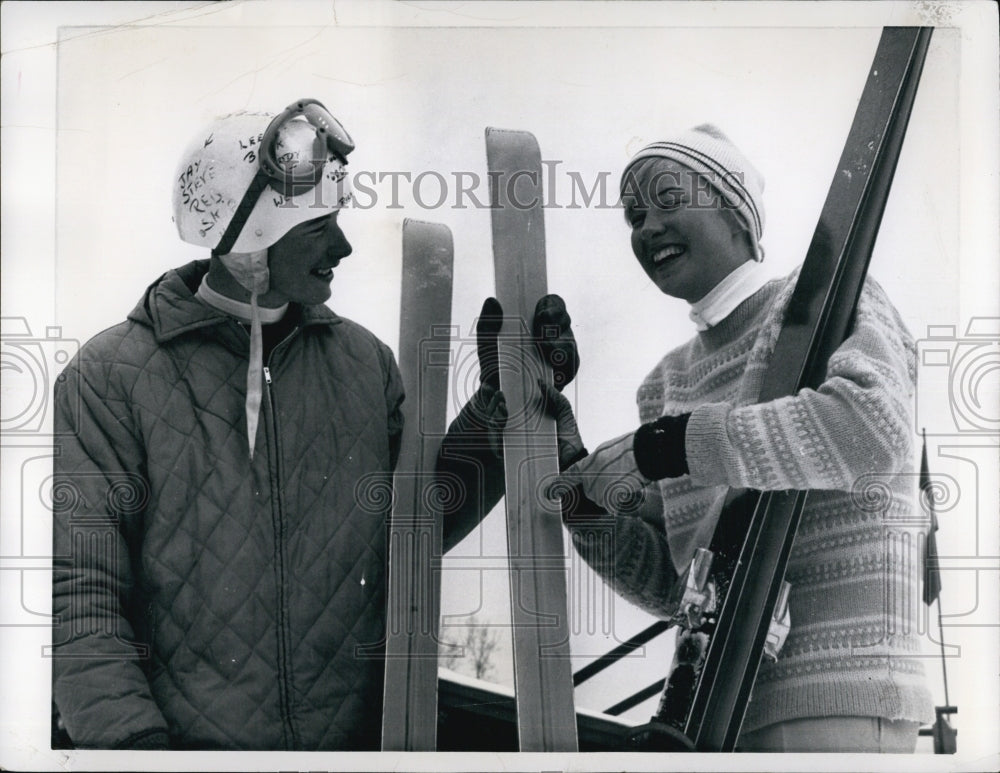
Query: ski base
[
  {"x": 543, "y": 678},
  {"x": 409, "y": 714}
]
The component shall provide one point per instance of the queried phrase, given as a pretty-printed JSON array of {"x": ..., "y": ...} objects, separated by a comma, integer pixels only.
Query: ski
[
  {"x": 409, "y": 718},
  {"x": 543, "y": 679}
]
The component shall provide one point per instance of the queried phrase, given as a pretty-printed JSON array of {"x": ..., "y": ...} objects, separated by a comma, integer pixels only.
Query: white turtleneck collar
[{"x": 722, "y": 299}]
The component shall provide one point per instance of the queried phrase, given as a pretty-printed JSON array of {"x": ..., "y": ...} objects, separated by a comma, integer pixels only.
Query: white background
[{"x": 93, "y": 127}]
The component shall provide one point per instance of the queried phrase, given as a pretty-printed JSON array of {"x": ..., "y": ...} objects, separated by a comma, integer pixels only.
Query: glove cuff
[
  {"x": 659, "y": 447},
  {"x": 579, "y": 511},
  {"x": 565, "y": 464}
]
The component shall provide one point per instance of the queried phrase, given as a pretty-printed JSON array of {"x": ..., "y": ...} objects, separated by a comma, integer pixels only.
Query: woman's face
[{"x": 684, "y": 235}]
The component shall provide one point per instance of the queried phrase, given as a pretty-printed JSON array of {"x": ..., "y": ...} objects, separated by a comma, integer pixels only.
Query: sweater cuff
[
  {"x": 147, "y": 740},
  {"x": 707, "y": 444},
  {"x": 659, "y": 447}
]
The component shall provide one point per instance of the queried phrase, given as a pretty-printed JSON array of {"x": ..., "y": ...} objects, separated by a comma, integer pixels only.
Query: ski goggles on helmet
[
  {"x": 291, "y": 171},
  {"x": 292, "y": 156}
]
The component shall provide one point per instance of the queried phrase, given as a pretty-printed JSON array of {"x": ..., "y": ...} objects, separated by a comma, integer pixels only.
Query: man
[
  {"x": 215, "y": 579},
  {"x": 849, "y": 677},
  {"x": 220, "y": 580}
]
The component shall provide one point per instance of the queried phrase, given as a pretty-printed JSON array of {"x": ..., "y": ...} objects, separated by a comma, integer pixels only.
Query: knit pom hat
[{"x": 710, "y": 153}]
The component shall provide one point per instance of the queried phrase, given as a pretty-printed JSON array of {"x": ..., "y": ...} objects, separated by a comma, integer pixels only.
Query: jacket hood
[{"x": 170, "y": 307}]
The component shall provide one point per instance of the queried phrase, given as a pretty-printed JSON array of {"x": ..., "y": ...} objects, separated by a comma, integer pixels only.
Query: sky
[{"x": 98, "y": 104}]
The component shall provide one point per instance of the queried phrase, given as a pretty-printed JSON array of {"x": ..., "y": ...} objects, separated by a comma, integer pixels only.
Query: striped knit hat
[{"x": 707, "y": 151}]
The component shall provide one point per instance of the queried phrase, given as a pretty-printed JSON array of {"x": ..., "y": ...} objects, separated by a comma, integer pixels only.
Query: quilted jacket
[{"x": 231, "y": 603}]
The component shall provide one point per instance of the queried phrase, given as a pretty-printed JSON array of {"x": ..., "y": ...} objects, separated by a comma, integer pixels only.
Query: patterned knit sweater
[{"x": 853, "y": 649}]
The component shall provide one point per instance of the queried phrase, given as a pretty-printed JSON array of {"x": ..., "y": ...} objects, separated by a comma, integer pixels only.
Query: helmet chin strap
[
  {"x": 250, "y": 270},
  {"x": 255, "y": 371}
]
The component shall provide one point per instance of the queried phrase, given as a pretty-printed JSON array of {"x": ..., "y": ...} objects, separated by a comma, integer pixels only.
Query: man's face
[
  {"x": 301, "y": 263},
  {"x": 682, "y": 234}
]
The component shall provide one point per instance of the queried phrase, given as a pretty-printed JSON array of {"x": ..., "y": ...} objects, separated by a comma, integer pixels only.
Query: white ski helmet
[{"x": 249, "y": 178}]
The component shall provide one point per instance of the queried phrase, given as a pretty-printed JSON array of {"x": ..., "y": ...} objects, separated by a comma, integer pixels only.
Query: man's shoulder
[
  {"x": 360, "y": 341},
  {"x": 351, "y": 329},
  {"x": 127, "y": 342},
  {"x": 109, "y": 362}
]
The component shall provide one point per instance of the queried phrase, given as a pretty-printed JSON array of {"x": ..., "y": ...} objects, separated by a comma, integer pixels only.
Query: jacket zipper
[
  {"x": 278, "y": 523},
  {"x": 289, "y": 732}
]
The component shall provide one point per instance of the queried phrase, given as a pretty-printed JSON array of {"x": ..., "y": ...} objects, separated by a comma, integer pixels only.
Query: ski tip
[
  {"x": 410, "y": 224},
  {"x": 495, "y": 133}
]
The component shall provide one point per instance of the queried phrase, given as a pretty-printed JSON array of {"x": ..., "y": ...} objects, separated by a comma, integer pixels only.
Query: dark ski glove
[
  {"x": 472, "y": 451},
  {"x": 551, "y": 329},
  {"x": 487, "y": 329},
  {"x": 486, "y": 412},
  {"x": 659, "y": 447},
  {"x": 555, "y": 340}
]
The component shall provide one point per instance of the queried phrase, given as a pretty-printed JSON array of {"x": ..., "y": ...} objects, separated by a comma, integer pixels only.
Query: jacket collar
[{"x": 170, "y": 308}]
